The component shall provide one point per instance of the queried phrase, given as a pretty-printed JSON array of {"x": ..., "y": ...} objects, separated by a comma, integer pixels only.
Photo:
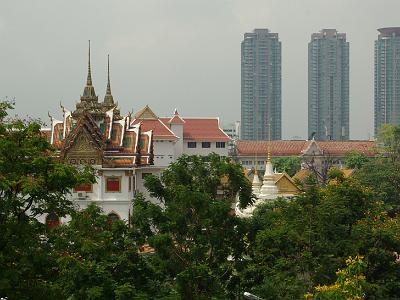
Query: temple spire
[
  {"x": 108, "y": 98},
  {"x": 89, "y": 75},
  {"x": 88, "y": 93},
  {"x": 108, "y": 91},
  {"x": 269, "y": 143}
]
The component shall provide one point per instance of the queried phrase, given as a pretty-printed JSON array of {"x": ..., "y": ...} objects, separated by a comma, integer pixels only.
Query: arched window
[
  {"x": 112, "y": 217},
  {"x": 52, "y": 220}
]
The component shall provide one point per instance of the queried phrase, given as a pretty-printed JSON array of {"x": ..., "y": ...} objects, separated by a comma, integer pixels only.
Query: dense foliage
[
  {"x": 290, "y": 164},
  {"x": 335, "y": 241},
  {"x": 194, "y": 232}
]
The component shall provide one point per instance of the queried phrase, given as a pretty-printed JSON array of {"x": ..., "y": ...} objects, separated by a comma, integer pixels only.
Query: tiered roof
[{"x": 95, "y": 133}]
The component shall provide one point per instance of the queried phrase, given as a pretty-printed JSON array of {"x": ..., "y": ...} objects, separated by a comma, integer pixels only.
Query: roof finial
[
  {"x": 108, "y": 91},
  {"x": 255, "y": 165},
  {"x": 269, "y": 143},
  {"x": 108, "y": 98},
  {"x": 89, "y": 76}
]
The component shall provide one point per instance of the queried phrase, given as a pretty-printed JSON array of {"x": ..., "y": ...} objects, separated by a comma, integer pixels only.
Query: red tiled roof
[
  {"x": 160, "y": 130},
  {"x": 203, "y": 130},
  {"x": 288, "y": 148},
  {"x": 176, "y": 120},
  {"x": 341, "y": 147},
  {"x": 278, "y": 148}
]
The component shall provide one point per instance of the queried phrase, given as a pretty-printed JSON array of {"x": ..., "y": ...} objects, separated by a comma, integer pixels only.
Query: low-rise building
[{"x": 254, "y": 153}]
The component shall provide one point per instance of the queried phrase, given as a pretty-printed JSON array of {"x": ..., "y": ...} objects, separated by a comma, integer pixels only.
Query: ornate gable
[
  {"x": 146, "y": 113},
  {"x": 85, "y": 144}
]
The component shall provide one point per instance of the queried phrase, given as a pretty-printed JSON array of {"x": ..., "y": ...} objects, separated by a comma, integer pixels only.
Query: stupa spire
[
  {"x": 88, "y": 93},
  {"x": 89, "y": 75},
  {"x": 108, "y": 98}
]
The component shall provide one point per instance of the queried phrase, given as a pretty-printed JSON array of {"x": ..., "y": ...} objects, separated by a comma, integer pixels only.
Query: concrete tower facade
[
  {"x": 387, "y": 77},
  {"x": 328, "y": 86},
  {"x": 261, "y": 85}
]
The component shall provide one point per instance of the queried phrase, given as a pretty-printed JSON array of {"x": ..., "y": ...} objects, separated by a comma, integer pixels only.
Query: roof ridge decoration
[
  {"x": 176, "y": 118},
  {"x": 146, "y": 113}
]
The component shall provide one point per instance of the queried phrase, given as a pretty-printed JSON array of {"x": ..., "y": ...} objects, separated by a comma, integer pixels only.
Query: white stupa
[
  {"x": 268, "y": 190},
  {"x": 263, "y": 192},
  {"x": 256, "y": 184}
]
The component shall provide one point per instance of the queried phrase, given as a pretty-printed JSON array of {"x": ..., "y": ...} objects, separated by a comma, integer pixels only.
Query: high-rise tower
[
  {"x": 387, "y": 77},
  {"x": 261, "y": 85},
  {"x": 328, "y": 86}
]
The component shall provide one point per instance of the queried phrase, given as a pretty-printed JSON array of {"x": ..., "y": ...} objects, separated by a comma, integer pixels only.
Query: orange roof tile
[
  {"x": 296, "y": 147},
  {"x": 342, "y": 147},
  {"x": 278, "y": 148},
  {"x": 204, "y": 130}
]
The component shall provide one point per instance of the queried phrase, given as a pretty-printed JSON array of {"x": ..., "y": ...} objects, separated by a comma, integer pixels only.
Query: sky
[{"x": 182, "y": 54}]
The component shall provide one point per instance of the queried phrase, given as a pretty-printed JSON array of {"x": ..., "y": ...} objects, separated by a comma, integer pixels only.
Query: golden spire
[
  {"x": 108, "y": 91},
  {"x": 269, "y": 143},
  {"x": 108, "y": 98},
  {"x": 89, "y": 76},
  {"x": 255, "y": 165}
]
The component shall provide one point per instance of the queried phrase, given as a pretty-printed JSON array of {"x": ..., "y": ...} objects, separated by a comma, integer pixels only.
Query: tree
[
  {"x": 194, "y": 231},
  {"x": 355, "y": 159},
  {"x": 297, "y": 244},
  {"x": 389, "y": 141},
  {"x": 350, "y": 283},
  {"x": 289, "y": 164},
  {"x": 98, "y": 259},
  {"x": 32, "y": 182},
  {"x": 382, "y": 176}
]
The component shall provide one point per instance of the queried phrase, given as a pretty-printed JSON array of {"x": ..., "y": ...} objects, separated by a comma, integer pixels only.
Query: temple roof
[{"x": 298, "y": 147}]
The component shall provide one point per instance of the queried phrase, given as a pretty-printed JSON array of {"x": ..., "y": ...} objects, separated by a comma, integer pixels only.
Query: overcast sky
[{"x": 179, "y": 53}]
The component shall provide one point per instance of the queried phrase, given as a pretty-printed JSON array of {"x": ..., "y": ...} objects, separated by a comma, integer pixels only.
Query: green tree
[
  {"x": 350, "y": 283},
  {"x": 382, "y": 176},
  {"x": 355, "y": 159},
  {"x": 297, "y": 244},
  {"x": 289, "y": 164},
  {"x": 32, "y": 182},
  {"x": 389, "y": 141},
  {"x": 194, "y": 231},
  {"x": 98, "y": 259}
]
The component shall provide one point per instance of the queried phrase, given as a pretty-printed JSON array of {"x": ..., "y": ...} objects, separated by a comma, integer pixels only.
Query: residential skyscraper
[
  {"x": 261, "y": 86},
  {"x": 328, "y": 86},
  {"x": 387, "y": 77}
]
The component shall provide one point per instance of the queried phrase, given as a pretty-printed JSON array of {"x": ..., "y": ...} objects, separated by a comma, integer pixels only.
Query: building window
[
  {"x": 113, "y": 184},
  {"x": 206, "y": 145},
  {"x": 191, "y": 144},
  {"x": 84, "y": 187},
  {"x": 52, "y": 220},
  {"x": 220, "y": 144},
  {"x": 144, "y": 175}
]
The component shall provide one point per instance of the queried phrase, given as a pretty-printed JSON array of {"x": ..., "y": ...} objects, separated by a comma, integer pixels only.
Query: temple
[
  {"x": 123, "y": 150},
  {"x": 96, "y": 134}
]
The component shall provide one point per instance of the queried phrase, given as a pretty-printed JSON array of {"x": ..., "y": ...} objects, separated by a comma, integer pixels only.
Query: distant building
[
  {"x": 232, "y": 130},
  {"x": 328, "y": 86},
  {"x": 253, "y": 154},
  {"x": 387, "y": 77},
  {"x": 261, "y": 85}
]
